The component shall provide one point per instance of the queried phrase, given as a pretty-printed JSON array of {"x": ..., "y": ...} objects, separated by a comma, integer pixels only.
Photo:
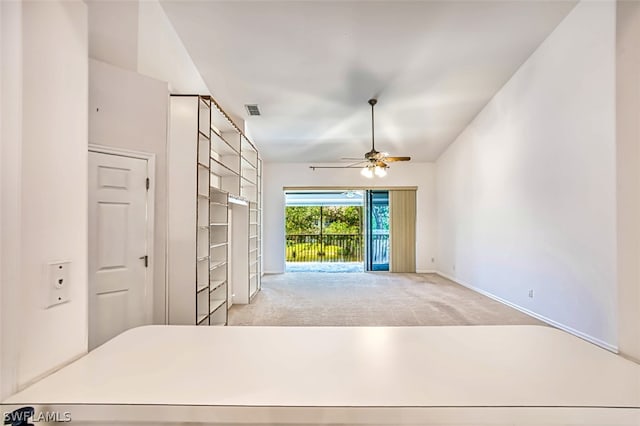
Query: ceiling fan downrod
[{"x": 373, "y": 153}]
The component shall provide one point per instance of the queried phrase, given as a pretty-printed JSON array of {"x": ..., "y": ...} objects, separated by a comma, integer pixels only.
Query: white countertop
[{"x": 351, "y": 367}]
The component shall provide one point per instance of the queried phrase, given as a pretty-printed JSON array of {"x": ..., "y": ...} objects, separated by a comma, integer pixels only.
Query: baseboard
[
  {"x": 273, "y": 272},
  {"x": 426, "y": 271},
  {"x": 49, "y": 372},
  {"x": 563, "y": 327}
]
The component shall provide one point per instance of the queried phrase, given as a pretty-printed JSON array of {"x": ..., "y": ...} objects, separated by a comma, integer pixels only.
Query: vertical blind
[{"x": 402, "y": 211}]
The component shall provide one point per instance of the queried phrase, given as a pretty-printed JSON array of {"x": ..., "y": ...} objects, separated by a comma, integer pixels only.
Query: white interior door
[{"x": 118, "y": 278}]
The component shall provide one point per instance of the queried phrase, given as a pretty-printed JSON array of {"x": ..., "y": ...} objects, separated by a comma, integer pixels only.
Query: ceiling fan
[{"x": 374, "y": 162}]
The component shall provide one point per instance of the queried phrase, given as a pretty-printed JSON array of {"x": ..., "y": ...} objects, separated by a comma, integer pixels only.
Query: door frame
[{"x": 151, "y": 173}]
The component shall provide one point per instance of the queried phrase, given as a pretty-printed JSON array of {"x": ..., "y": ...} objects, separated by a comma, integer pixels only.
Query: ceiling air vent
[{"x": 252, "y": 109}]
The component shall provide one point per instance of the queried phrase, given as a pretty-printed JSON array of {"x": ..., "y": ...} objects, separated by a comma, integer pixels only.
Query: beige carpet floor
[{"x": 370, "y": 299}]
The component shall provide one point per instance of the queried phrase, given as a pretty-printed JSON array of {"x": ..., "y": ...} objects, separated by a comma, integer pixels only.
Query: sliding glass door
[
  {"x": 327, "y": 230},
  {"x": 377, "y": 230}
]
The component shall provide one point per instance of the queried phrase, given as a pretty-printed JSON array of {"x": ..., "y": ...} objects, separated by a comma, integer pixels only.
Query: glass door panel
[{"x": 377, "y": 231}]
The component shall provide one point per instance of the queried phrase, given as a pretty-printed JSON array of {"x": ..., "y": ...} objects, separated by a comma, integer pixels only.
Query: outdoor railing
[
  {"x": 335, "y": 248},
  {"x": 324, "y": 248},
  {"x": 380, "y": 247}
]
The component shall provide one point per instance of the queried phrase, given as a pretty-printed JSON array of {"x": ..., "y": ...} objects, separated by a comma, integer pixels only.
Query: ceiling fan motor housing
[{"x": 372, "y": 155}]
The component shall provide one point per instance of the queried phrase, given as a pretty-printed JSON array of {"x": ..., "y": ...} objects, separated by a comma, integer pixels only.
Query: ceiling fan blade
[
  {"x": 391, "y": 159},
  {"x": 352, "y": 159},
  {"x": 350, "y": 166},
  {"x": 353, "y": 164}
]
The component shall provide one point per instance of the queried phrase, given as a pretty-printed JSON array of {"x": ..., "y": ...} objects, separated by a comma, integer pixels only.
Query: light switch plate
[{"x": 58, "y": 283}]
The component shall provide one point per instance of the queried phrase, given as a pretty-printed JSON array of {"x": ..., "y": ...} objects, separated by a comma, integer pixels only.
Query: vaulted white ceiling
[{"x": 311, "y": 66}]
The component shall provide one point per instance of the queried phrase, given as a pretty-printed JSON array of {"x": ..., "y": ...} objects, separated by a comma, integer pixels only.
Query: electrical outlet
[
  {"x": 57, "y": 283},
  {"x": 531, "y": 293},
  {"x": 433, "y": 259},
  {"x": 454, "y": 267}
]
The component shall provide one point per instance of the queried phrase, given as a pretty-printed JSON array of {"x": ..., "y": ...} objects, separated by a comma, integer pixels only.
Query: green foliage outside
[
  {"x": 302, "y": 220},
  {"x": 341, "y": 233},
  {"x": 337, "y": 220}
]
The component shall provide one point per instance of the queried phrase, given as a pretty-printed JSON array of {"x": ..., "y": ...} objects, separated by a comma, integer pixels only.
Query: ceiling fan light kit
[
  {"x": 375, "y": 163},
  {"x": 367, "y": 172},
  {"x": 380, "y": 171}
]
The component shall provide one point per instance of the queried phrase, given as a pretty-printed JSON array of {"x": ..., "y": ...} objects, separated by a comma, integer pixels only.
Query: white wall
[
  {"x": 4, "y": 46},
  {"x": 145, "y": 42},
  {"x": 44, "y": 169},
  {"x": 276, "y": 176},
  {"x": 10, "y": 164},
  {"x": 628, "y": 162},
  {"x": 526, "y": 194},
  {"x": 129, "y": 111},
  {"x": 113, "y": 32},
  {"x": 162, "y": 55}
]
